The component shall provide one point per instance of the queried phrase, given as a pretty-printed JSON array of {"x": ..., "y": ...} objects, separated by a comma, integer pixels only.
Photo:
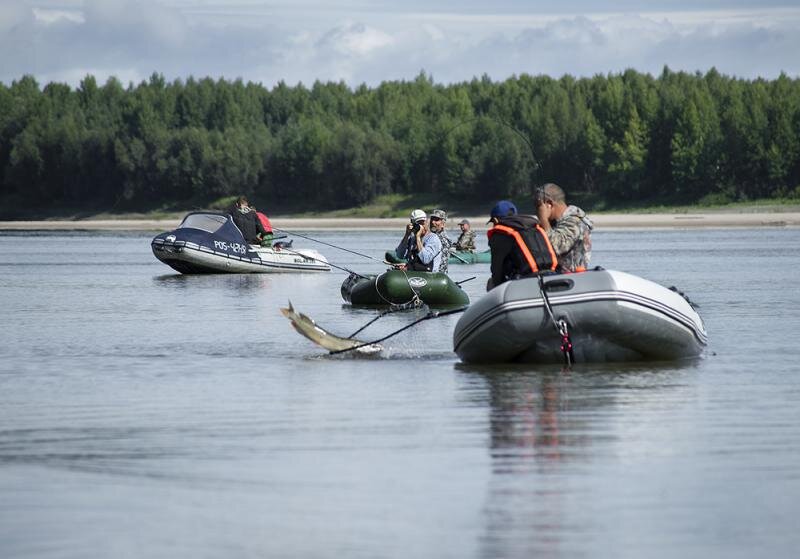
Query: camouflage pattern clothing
[
  {"x": 571, "y": 238},
  {"x": 446, "y": 248},
  {"x": 466, "y": 241}
]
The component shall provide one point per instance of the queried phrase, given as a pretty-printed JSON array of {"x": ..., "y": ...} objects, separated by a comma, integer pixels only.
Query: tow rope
[
  {"x": 560, "y": 325},
  {"x": 566, "y": 343}
]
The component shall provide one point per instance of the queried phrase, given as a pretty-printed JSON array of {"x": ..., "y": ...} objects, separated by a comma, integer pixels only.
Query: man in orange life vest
[{"x": 520, "y": 247}]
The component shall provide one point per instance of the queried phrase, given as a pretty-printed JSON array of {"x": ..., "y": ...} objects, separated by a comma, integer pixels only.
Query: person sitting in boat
[
  {"x": 245, "y": 219},
  {"x": 420, "y": 247},
  {"x": 438, "y": 222},
  {"x": 465, "y": 241},
  {"x": 266, "y": 239},
  {"x": 567, "y": 227},
  {"x": 520, "y": 247}
]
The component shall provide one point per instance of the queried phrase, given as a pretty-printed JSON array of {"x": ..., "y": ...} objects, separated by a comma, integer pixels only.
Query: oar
[
  {"x": 430, "y": 315},
  {"x": 457, "y": 257},
  {"x": 327, "y": 244}
]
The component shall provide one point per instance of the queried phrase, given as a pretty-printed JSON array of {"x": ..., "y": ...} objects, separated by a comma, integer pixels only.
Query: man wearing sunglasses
[{"x": 438, "y": 222}]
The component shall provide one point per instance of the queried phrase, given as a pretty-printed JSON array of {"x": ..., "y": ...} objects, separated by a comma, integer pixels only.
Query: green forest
[{"x": 611, "y": 141}]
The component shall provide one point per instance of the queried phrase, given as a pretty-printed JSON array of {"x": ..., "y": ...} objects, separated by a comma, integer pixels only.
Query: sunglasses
[{"x": 436, "y": 219}]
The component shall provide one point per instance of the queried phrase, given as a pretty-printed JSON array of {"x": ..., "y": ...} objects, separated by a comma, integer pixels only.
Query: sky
[{"x": 367, "y": 42}]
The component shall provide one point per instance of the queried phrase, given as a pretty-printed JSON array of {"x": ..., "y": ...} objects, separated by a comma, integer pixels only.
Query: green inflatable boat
[
  {"x": 399, "y": 287},
  {"x": 459, "y": 257}
]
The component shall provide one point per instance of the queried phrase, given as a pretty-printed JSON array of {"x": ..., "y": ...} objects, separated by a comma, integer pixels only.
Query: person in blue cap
[{"x": 519, "y": 245}]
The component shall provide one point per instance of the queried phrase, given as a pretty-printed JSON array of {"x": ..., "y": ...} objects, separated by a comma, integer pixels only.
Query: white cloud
[
  {"x": 355, "y": 39},
  {"x": 269, "y": 42}
]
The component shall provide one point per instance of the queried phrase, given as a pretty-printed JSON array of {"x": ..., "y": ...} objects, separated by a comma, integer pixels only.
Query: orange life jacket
[
  {"x": 545, "y": 255},
  {"x": 264, "y": 222}
]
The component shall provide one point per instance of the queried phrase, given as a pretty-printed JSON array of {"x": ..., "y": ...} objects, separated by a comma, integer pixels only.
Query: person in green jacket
[{"x": 568, "y": 228}]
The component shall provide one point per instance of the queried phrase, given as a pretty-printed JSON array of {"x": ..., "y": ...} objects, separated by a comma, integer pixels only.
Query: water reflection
[
  {"x": 546, "y": 429},
  {"x": 529, "y": 421},
  {"x": 244, "y": 282}
]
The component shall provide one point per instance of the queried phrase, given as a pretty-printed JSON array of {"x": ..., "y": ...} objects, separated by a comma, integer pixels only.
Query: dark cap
[{"x": 502, "y": 209}]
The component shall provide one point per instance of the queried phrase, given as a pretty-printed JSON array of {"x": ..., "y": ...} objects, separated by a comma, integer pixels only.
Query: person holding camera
[
  {"x": 421, "y": 248},
  {"x": 568, "y": 228}
]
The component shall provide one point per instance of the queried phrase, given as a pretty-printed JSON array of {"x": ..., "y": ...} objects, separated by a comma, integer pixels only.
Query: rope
[
  {"x": 430, "y": 315},
  {"x": 393, "y": 308},
  {"x": 327, "y": 244},
  {"x": 342, "y": 268},
  {"x": 560, "y": 326},
  {"x": 415, "y": 300}
]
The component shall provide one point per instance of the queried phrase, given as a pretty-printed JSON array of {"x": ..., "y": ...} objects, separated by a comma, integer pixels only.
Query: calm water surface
[{"x": 149, "y": 414}]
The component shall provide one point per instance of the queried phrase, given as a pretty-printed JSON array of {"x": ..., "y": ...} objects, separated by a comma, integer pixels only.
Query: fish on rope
[
  {"x": 335, "y": 345},
  {"x": 306, "y": 327}
]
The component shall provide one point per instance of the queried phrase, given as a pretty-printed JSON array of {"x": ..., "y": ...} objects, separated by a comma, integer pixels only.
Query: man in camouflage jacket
[
  {"x": 438, "y": 219},
  {"x": 465, "y": 241},
  {"x": 567, "y": 227}
]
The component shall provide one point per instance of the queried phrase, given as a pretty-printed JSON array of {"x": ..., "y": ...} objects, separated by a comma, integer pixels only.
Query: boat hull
[
  {"x": 611, "y": 317},
  {"x": 197, "y": 259},
  {"x": 210, "y": 243},
  {"x": 459, "y": 257},
  {"x": 398, "y": 287}
]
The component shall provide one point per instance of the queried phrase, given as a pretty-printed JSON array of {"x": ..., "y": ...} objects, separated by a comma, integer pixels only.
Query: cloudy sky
[{"x": 369, "y": 41}]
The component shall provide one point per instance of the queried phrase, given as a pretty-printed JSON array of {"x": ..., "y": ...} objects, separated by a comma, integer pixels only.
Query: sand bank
[{"x": 602, "y": 221}]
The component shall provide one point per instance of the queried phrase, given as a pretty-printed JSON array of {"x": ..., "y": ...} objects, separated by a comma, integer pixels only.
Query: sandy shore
[{"x": 602, "y": 221}]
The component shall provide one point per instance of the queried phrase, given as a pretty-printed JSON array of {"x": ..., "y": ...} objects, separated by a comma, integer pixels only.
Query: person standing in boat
[
  {"x": 465, "y": 241},
  {"x": 438, "y": 223},
  {"x": 421, "y": 248},
  {"x": 519, "y": 245},
  {"x": 568, "y": 228},
  {"x": 248, "y": 223}
]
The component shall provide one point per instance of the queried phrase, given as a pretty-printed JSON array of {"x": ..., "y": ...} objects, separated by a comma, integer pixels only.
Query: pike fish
[{"x": 306, "y": 326}]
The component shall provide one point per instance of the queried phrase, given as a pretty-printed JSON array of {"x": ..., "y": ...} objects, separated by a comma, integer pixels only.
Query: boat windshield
[{"x": 204, "y": 222}]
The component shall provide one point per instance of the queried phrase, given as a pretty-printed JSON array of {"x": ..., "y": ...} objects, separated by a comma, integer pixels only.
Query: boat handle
[{"x": 559, "y": 285}]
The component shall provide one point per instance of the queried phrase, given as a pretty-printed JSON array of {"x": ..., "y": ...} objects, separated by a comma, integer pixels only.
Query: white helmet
[{"x": 418, "y": 215}]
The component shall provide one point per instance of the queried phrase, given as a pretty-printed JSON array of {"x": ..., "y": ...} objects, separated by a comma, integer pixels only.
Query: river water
[{"x": 148, "y": 414}]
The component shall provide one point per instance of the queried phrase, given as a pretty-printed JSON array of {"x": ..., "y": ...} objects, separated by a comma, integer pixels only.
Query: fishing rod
[
  {"x": 327, "y": 244},
  {"x": 342, "y": 268},
  {"x": 429, "y": 316}
]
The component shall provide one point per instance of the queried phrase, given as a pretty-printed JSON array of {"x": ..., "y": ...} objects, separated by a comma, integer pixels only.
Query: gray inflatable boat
[{"x": 608, "y": 316}]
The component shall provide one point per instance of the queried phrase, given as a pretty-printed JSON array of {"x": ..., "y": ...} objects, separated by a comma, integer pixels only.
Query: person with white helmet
[{"x": 420, "y": 247}]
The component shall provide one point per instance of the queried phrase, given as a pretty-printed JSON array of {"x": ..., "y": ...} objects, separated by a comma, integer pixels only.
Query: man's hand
[{"x": 543, "y": 212}]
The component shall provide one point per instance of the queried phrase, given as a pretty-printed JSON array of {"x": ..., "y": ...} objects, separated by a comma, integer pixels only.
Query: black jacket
[
  {"x": 249, "y": 225},
  {"x": 508, "y": 262}
]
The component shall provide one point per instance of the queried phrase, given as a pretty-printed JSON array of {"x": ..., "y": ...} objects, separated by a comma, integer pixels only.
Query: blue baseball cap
[{"x": 502, "y": 209}]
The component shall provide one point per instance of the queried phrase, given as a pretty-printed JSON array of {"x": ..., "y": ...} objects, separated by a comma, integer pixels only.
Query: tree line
[{"x": 609, "y": 140}]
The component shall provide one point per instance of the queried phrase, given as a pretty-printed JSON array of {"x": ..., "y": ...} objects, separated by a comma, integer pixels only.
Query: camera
[{"x": 415, "y": 227}]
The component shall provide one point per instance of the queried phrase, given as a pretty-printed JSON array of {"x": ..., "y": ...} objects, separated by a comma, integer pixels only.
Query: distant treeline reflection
[{"x": 675, "y": 138}]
